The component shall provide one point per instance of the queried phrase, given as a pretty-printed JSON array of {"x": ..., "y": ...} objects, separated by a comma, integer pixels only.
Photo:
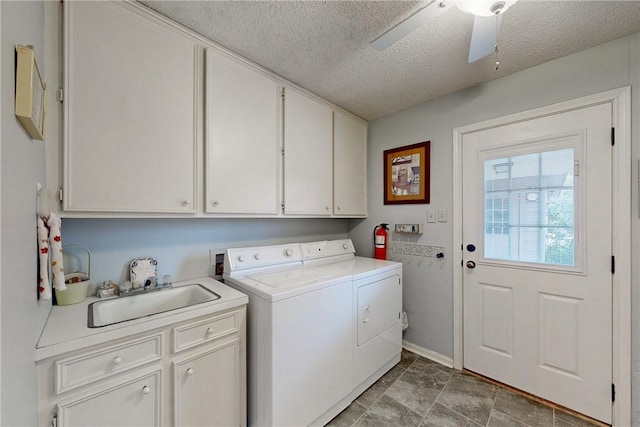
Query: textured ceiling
[{"x": 323, "y": 46}]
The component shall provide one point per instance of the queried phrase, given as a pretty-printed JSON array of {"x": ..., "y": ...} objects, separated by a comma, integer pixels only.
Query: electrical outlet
[
  {"x": 442, "y": 215},
  {"x": 216, "y": 261},
  {"x": 431, "y": 216}
]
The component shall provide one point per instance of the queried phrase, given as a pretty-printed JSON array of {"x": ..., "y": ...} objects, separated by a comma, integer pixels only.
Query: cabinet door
[
  {"x": 132, "y": 403},
  {"x": 207, "y": 388},
  {"x": 308, "y": 158},
  {"x": 349, "y": 166},
  {"x": 130, "y": 111},
  {"x": 242, "y": 138}
]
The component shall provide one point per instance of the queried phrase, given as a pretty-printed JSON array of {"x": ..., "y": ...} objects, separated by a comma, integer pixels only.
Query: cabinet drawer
[
  {"x": 78, "y": 370},
  {"x": 196, "y": 333}
]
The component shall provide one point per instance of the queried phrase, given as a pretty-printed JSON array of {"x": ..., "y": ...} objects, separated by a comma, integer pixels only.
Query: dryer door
[{"x": 377, "y": 308}]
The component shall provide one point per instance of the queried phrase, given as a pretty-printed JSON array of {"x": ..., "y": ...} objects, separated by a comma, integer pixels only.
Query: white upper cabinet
[
  {"x": 349, "y": 166},
  {"x": 308, "y": 155},
  {"x": 242, "y": 138},
  {"x": 130, "y": 112}
]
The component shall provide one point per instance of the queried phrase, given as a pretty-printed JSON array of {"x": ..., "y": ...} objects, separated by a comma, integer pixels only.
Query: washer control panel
[{"x": 239, "y": 259}]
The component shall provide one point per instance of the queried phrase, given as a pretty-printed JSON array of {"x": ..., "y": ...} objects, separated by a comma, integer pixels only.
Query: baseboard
[{"x": 431, "y": 355}]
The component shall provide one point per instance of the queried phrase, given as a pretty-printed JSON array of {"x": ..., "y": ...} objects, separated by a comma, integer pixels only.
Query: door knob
[{"x": 471, "y": 264}]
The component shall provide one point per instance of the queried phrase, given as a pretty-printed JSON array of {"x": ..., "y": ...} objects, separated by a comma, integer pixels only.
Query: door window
[{"x": 529, "y": 204}]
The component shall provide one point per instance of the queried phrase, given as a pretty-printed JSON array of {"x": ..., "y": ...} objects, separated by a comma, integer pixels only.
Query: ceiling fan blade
[
  {"x": 484, "y": 37},
  {"x": 409, "y": 25}
]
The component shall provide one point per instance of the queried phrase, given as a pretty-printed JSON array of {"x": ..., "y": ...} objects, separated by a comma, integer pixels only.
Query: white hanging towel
[
  {"x": 44, "y": 287},
  {"x": 55, "y": 240}
]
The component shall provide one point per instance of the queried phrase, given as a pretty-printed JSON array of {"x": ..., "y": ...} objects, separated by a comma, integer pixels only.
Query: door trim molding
[{"x": 620, "y": 99}]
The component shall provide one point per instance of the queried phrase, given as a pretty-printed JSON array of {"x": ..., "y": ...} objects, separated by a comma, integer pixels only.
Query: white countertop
[{"x": 66, "y": 328}]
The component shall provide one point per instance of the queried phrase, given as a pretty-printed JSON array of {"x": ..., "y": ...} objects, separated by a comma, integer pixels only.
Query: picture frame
[
  {"x": 30, "y": 93},
  {"x": 407, "y": 174}
]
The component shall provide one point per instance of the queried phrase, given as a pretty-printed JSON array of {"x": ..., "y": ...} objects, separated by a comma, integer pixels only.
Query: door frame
[{"x": 620, "y": 99}]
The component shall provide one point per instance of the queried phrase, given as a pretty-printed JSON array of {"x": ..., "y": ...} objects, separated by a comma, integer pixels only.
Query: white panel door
[
  {"x": 349, "y": 166},
  {"x": 242, "y": 138},
  {"x": 537, "y": 251},
  {"x": 130, "y": 125},
  {"x": 308, "y": 158}
]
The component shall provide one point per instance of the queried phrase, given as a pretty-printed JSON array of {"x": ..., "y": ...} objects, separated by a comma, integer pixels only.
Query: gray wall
[
  {"x": 23, "y": 164},
  {"x": 428, "y": 296},
  {"x": 181, "y": 246}
]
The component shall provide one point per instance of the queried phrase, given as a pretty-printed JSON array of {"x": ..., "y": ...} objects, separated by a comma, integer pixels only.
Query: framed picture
[
  {"x": 30, "y": 93},
  {"x": 406, "y": 174}
]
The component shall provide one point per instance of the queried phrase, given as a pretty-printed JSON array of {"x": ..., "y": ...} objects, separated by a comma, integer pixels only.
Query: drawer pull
[
  {"x": 117, "y": 360},
  {"x": 365, "y": 314},
  {"x": 146, "y": 389},
  {"x": 190, "y": 371}
]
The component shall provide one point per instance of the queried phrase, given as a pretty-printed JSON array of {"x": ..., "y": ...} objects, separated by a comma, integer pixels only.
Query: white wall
[
  {"x": 428, "y": 296},
  {"x": 181, "y": 246},
  {"x": 22, "y": 166}
]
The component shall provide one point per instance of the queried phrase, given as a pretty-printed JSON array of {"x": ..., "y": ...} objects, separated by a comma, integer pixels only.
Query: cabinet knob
[
  {"x": 288, "y": 252},
  {"x": 214, "y": 203},
  {"x": 241, "y": 258},
  {"x": 326, "y": 208},
  {"x": 146, "y": 389},
  {"x": 209, "y": 331},
  {"x": 190, "y": 371},
  {"x": 117, "y": 360},
  {"x": 257, "y": 257},
  {"x": 339, "y": 208},
  {"x": 345, "y": 246},
  {"x": 184, "y": 203}
]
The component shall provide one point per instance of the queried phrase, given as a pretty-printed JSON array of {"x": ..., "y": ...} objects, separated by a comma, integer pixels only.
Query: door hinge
[
  {"x": 60, "y": 95},
  {"x": 282, "y": 151},
  {"x": 613, "y": 136},
  {"x": 282, "y": 206},
  {"x": 282, "y": 94},
  {"x": 613, "y": 264},
  {"x": 613, "y": 392}
]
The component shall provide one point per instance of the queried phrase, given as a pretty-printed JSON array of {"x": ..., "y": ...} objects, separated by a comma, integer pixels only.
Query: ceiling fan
[{"x": 486, "y": 24}]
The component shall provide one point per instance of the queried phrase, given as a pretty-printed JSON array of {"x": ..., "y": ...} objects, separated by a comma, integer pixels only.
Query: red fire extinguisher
[{"x": 380, "y": 240}]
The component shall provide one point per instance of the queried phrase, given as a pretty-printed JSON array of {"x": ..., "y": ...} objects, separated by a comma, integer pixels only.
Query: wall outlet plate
[
  {"x": 442, "y": 215},
  {"x": 216, "y": 261},
  {"x": 431, "y": 215}
]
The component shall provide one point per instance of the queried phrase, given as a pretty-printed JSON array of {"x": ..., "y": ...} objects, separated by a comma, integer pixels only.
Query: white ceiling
[{"x": 324, "y": 45}]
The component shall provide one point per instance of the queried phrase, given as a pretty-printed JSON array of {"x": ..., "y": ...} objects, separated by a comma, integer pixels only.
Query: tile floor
[{"x": 419, "y": 392}]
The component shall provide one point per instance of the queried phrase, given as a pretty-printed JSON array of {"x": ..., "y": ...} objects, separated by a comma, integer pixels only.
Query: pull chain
[{"x": 495, "y": 49}]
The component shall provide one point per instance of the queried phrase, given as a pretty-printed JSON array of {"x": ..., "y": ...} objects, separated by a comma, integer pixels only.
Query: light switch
[
  {"x": 431, "y": 216},
  {"x": 442, "y": 215}
]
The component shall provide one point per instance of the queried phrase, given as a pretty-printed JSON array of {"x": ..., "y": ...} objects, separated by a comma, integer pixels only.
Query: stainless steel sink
[{"x": 109, "y": 312}]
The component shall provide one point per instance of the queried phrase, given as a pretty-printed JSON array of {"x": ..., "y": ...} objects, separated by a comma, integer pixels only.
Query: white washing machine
[{"x": 323, "y": 325}]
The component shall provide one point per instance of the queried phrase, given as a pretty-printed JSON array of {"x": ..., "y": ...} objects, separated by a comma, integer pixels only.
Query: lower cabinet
[
  {"x": 212, "y": 379},
  {"x": 185, "y": 374}
]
